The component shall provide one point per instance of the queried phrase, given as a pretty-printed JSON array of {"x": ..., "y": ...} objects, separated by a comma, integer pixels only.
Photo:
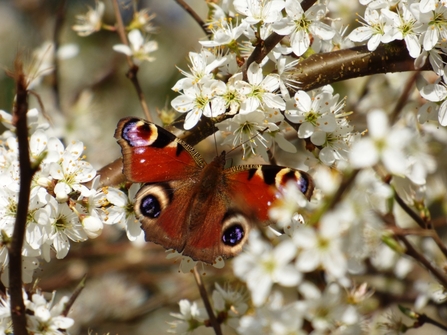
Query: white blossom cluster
[
  {"x": 422, "y": 25},
  {"x": 228, "y": 305},
  {"x": 139, "y": 47},
  {"x": 215, "y": 84},
  {"x": 61, "y": 207},
  {"x": 42, "y": 316}
]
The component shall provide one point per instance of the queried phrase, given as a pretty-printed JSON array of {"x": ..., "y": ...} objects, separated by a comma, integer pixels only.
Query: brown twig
[
  {"x": 213, "y": 320},
  {"x": 403, "y": 97},
  {"x": 194, "y": 15},
  {"x": 344, "y": 186},
  {"x": 423, "y": 319},
  {"x": 327, "y": 68},
  {"x": 60, "y": 17},
  {"x": 421, "y": 223},
  {"x": 411, "y": 251},
  {"x": 74, "y": 296},
  {"x": 133, "y": 68},
  {"x": 26, "y": 175}
]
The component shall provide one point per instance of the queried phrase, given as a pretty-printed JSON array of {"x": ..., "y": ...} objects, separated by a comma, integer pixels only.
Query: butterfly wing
[
  {"x": 241, "y": 200},
  {"x": 153, "y": 154},
  {"x": 257, "y": 185},
  {"x": 168, "y": 166}
]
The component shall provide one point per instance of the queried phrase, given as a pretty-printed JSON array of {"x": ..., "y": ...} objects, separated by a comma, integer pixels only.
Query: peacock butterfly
[{"x": 202, "y": 210}]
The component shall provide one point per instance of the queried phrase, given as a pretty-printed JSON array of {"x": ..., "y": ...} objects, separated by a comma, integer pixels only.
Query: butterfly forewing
[
  {"x": 257, "y": 185},
  {"x": 153, "y": 154}
]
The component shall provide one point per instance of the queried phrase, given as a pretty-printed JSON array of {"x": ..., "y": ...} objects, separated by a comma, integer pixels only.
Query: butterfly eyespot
[
  {"x": 139, "y": 134},
  {"x": 302, "y": 180},
  {"x": 233, "y": 235},
  {"x": 235, "y": 229},
  {"x": 150, "y": 207},
  {"x": 152, "y": 199}
]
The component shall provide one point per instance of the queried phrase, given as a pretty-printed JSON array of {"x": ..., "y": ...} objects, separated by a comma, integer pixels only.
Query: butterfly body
[{"x": 202, "y": 210}]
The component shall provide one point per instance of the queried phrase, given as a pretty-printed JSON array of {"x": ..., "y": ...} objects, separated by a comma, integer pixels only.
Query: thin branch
[
  {"x": 26, "y": 174},
  {"x": 423, "y": 233},
  {"x": 422, "y": 223},
  {"x": 133, "y": 68},
  {"x": 411, "y": 251},
  {"x": 408, "y": 88},
  {"x": 423, "y": 319},
  {"x": 213, "y": 320},
  {"x": 194, "y": 15},
  {"x": 344, "y": 186},
  {"x": 74, "y": 296},
  {"x": 60, "y": 17}
]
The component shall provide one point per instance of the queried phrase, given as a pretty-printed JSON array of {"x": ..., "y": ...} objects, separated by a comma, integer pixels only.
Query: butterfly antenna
[{"x": 215, "y": 144}]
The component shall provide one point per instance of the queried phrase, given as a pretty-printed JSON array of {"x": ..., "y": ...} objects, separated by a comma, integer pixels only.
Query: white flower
[
  {"x": 435, "y": 23},
  {"x": 404, "y": 26},
  {"x": 288, "y": 201},
  {"x": 190, "y": 318},
  {"x": 90, "y": 22},
  {"x": 267, "y": 11},
  {"x": 226, "y": 33},
  {"x": 244, "y": 130},
  {"x": 274, "y": 318},
  {"x": 5, "y": 315},
  {"x": 122, "y": 212},
  {"x": 64, "y": 225},
  {"x": 92, "y": 226},
  {"x": 187, "y": 264},
  {"x": 29, "y": 264},
  {"x": 322, "y": 247},
  {"x": 142, "y": 20},
  {"x": 383, "y": 144},
  {"x": 434, "y": 93},
  {"x": 335, "y": 144},
  {"x": 231, "y": 303},
  {"x": 259, "y": 90},
  {"x": 47, "y": 318},
  {"x": 202, "y": 64},
  {"x": 231, "y": 99},
  {"x": 300, "y": 25},
  {"x": 139, "y": 49},
  {"x": 429, "y": 291},
  {"x": 312, "y": 112},
  {"x": 261, "y": 266},
  {"x": 68, "y": 168},
  {"x": 286, "y": 71},
  {"x": 198, "y": 99},
  {"x": 373, "y": 30},
  {"x": 326, "y": 309}
]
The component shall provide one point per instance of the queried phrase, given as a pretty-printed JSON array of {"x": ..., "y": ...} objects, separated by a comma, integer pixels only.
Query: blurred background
[{"x": 130, "y": 289}]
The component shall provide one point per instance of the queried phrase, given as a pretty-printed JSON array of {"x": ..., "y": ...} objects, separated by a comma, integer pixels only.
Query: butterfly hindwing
[{"x": 162, "y": 208}]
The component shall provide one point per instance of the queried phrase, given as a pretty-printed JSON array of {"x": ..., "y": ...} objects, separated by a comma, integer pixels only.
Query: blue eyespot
[
  {"x": 233, "y": 235},
  {"x": 150, "y": 207}
]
